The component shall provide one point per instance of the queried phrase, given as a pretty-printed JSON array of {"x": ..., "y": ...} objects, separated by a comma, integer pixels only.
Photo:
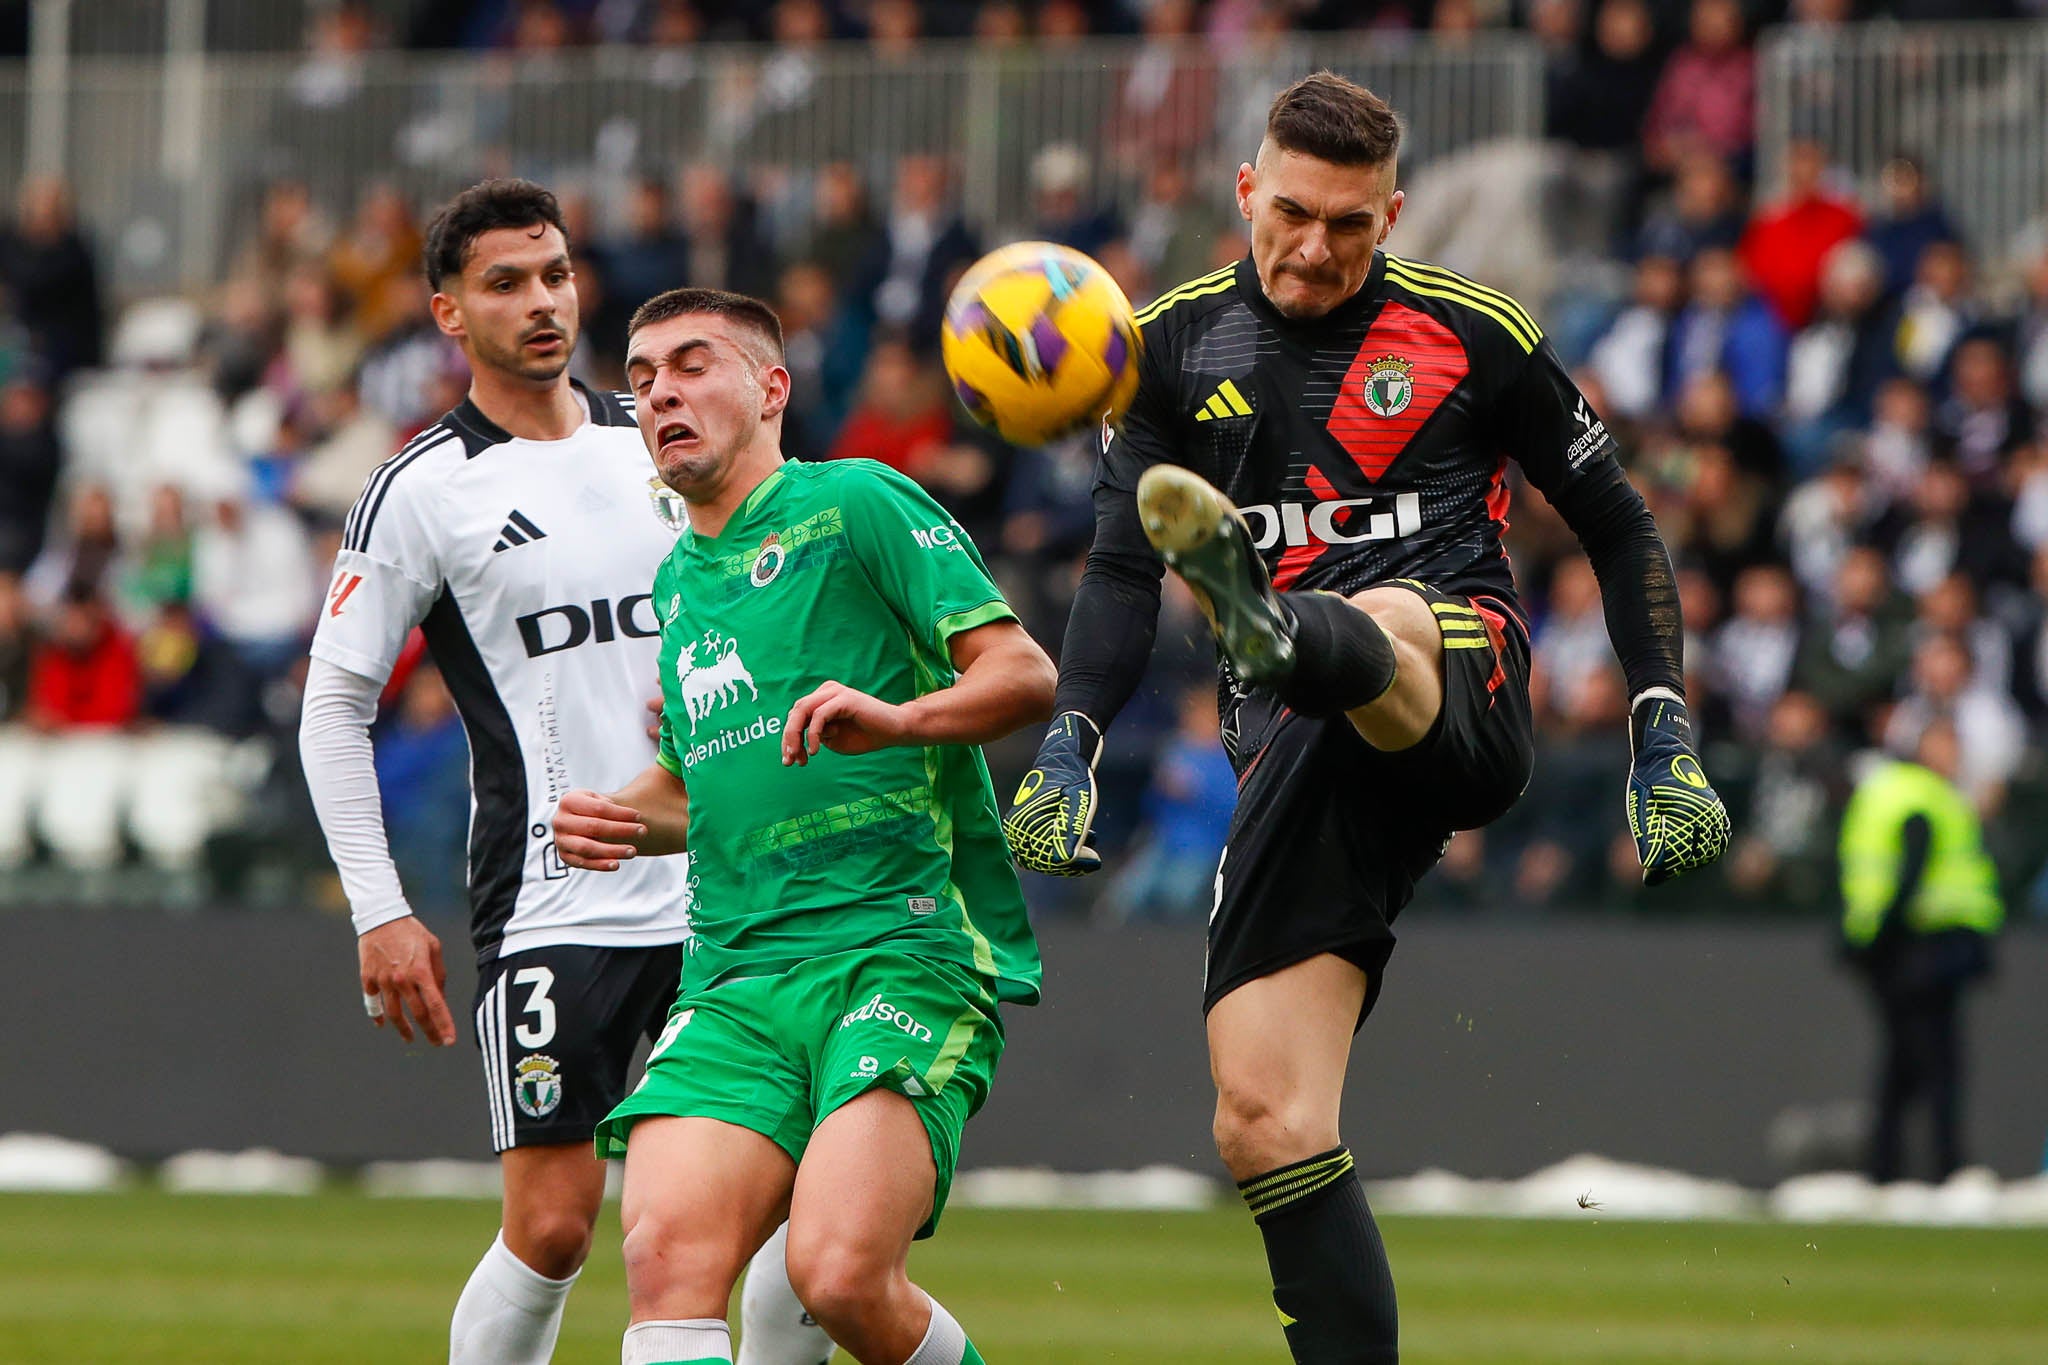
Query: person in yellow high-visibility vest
[{"x": 1920, "y": 906}]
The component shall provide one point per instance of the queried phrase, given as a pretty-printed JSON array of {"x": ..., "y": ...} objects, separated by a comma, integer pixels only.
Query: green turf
[{"x": 155, "y": 1279}]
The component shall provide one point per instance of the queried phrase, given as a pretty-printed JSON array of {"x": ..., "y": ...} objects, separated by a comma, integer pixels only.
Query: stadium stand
[{"x": 1807, "y": 288}]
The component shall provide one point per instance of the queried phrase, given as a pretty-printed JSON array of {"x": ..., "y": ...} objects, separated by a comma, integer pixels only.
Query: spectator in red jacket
[
  {"x": 83, "y": 673},
  {"x": 1706, "y": 99},
  {"x": 902, "y": 415},
  {"x": 1787, "y": 241}
]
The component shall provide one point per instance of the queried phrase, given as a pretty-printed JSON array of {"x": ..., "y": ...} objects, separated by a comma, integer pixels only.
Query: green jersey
[{"x": 848, "y": 572}]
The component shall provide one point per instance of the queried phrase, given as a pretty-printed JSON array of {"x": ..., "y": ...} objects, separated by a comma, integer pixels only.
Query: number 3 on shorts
[{"x": 542, "y": 1031}]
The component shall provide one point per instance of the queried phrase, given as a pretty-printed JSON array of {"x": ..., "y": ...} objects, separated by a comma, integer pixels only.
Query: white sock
[
  {"x": 774, "y": 1328},
  {"x": 945, "y": 1341},
  {"x": 692, "y": 1341},
  {"x": 509, "y": 1313}
]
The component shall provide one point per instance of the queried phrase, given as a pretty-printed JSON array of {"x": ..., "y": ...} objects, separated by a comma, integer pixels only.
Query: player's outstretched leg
[
  {"x": 775, "y": 1328},
  {"x": 1278, "y": 1048},
  {"x": 1317, "y": 652}
]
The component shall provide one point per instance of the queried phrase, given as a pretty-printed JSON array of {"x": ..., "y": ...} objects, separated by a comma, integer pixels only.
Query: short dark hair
[
  {"x": 1332, "y": 119},
  {"x": 742, "y": 308},
  {"x": 485, "y": 207}
]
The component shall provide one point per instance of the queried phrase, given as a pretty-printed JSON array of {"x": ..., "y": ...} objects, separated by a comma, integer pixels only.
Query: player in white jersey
[{"x": 521, "y": 533}]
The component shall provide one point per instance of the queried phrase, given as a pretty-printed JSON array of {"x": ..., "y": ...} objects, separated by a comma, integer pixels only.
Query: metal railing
[
  {"x": 1968, "y": 101},
  {"x": 168, "y": 159},
  {"x": 108, "y": 28}
]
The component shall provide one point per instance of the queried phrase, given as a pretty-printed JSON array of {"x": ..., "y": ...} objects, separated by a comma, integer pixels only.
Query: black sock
[
  {"x": 1330, "y": 1277},
  {"x": 1342, "y": 659}
]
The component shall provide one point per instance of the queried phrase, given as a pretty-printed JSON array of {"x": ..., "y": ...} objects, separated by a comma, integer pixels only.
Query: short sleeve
[
  {"x": 918, "y": 558},
  {"x": 1549, "y": 427},
  {"x": 665, "y": 751},
  {"x": 386, "y": 577},
  {"x": 671, "y": 688}
]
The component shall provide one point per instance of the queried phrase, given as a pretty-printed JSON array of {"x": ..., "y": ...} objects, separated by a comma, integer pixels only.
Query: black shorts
[
  {"x": 1331, "y": 834},
  {"x": 558, "y": 1027}
]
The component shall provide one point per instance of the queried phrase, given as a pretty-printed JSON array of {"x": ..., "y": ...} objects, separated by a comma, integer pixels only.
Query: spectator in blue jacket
[
  {"x": 1171, "y": 874},
  {"x": 1728, "y": 328},
  {"x": 423, "y": 781}
]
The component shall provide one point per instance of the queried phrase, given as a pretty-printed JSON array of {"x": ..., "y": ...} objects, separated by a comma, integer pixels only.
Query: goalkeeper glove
[
  {"x": 1678, "y": 822},
  {"x": 1048, "y": 822}
]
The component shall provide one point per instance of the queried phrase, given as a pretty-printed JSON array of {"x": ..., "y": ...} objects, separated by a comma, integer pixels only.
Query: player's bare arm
[
  {"x": 1005, "y": 682},
  {"x": 649, "y": 816},
  {"x": 402, "y": 970}
]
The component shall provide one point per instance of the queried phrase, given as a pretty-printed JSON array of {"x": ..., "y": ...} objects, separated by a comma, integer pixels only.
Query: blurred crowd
[
  {"x": 488, "y": 25},
  {"x": 1832, "y": 401}
]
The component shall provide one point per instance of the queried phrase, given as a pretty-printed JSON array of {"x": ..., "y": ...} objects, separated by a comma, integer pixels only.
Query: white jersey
[{"x": 529, "y": 566}]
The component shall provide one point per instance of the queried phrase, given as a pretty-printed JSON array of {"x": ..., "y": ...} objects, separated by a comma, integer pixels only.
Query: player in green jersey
[{"x": 832, "y": 651}]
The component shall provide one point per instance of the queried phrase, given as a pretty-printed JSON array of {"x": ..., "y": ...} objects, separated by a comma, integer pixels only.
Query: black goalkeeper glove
[
  {"x": 1678, "y": 822},
  {"x": 1048, "y": 822}
]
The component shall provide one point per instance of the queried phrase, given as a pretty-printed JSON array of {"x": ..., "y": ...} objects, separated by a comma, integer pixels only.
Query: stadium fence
[
  {"x": 1968, "y": 101},
  {"x": 168, "y": 155}
]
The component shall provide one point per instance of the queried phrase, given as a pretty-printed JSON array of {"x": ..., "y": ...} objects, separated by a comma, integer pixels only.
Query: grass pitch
[{"x": 154, "y": 1279}]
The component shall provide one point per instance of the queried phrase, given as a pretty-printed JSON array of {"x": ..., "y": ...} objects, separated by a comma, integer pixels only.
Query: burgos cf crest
[
  {"x": 537, "y": 1085},
  {"x": 668, "y": 505},
  {"x": 1388, "y": 386}
]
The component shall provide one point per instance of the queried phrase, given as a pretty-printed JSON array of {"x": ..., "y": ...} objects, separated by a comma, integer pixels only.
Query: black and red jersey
[
  {"x": 1371, "y": 443},
  {"x": 1366, "y": 445}
]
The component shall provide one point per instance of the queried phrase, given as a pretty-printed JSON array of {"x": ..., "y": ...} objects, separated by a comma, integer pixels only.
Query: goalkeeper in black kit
[{"x": 1318, "y": 446}]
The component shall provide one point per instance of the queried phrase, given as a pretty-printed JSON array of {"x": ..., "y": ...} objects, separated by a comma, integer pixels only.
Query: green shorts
[{"x": 776, "y": 1054}]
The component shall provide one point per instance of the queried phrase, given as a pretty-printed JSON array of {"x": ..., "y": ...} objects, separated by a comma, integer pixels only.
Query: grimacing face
[
  {"x": 1314, "y": 226},
  {"x": 706, "y": 385},
  {"x": 514, "y": 306}
]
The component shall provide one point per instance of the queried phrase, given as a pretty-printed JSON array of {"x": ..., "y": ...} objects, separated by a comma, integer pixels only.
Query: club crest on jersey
[
  {"x": 1389, "y": 386},
  {"x": 537, "y": 1085},
  {"x": 768, "y": 562},
  {"x": 668, "y": 505},
  {"x": 710, "y": 674}
]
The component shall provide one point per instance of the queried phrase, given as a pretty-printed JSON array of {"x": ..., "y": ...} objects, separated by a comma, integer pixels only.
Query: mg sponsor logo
[
  {"x": 1386, "y": 517},
  {"x": 711, "y": 673},
  {"x": 936, "y": 538},
  {"x": 882, "y": 1011}
]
